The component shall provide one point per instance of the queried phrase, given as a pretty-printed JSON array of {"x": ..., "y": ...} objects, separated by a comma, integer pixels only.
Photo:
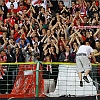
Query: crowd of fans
[
  {"x": 29, "y": 33},
  {"x": 52, "y": 33}
]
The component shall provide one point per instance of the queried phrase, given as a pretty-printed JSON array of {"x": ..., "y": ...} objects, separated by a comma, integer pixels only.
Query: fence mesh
[{"x": 42, "y": 79}]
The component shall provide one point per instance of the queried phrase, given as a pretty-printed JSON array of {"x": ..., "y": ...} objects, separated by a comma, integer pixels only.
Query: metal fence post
[{"x": 37, "y": 79}]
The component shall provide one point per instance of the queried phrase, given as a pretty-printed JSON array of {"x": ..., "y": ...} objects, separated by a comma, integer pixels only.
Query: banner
[{"x": 85, "y": 27}]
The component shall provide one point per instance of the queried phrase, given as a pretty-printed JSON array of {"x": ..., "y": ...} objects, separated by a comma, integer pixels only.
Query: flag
[
  {"x": 36, "y": 2},
  {"x": 45, "y": 4}
]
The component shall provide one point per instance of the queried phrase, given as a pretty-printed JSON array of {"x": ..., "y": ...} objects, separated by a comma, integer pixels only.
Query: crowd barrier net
[{"x": 46, "y": 79}]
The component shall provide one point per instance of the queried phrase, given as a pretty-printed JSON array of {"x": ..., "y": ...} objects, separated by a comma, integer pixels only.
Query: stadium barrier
[{"x": 24, "y": 80}]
